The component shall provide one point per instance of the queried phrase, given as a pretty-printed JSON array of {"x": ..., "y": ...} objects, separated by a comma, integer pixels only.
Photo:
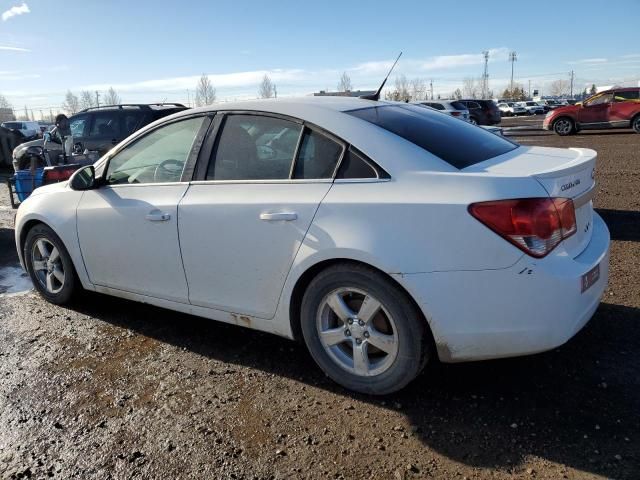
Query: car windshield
[
  {"x": 458, "y": 105},
  {"x": 458, "y": 143}
]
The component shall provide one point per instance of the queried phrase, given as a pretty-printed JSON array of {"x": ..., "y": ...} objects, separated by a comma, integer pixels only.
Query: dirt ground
[{"x": 111, "y": 389}]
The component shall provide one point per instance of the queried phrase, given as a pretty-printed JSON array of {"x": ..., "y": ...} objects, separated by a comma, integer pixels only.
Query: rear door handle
[
  {"x": 272, "y": 217},
  {"x": 157, "y": 217}
]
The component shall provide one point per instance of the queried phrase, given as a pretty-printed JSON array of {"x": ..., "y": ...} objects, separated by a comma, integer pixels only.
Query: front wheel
[
  {"x": 564, "y": 126},
  {"x": 49, "y": 265},
  {"x": 362, "y": 330}
]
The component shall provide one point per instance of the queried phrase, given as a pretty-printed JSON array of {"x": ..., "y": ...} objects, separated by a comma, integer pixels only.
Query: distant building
[
  {"x": 348, "y": 93},
  {"x": 6, "y": 115}
]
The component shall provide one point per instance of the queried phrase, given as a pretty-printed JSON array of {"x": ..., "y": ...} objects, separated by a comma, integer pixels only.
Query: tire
[
  {"x": 393, "y": 323},
  {"x": 564, "y": 126},
  {"x": 635, "y": 124},
  {"x": 473, "y": 121},
  {"x": 54, "y": 278}
]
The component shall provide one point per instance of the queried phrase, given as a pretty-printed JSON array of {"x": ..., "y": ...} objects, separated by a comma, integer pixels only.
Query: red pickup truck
[{"x": 617, "y": 108}]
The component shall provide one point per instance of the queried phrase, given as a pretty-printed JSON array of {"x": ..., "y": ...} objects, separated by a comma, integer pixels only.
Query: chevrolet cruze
[{"x": 384, "y": 235}]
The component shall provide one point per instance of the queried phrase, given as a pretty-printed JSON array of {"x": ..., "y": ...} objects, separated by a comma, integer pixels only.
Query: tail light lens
[
  {"x": 534, "y": 225},
  {"x": 58, "y": 174},
  {"x": 456, "y": 114}
]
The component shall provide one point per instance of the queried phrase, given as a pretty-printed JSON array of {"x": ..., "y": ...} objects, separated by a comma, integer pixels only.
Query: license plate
[{"x": 589, "y": 278}]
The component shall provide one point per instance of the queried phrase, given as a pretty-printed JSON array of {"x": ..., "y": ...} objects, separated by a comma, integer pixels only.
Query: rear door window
[
  {"x": 457, "y": 143},
  {"x": 629, "y": 95},
  {"x": 318, "y": 156},
  {"x": 254, "y": 147}
]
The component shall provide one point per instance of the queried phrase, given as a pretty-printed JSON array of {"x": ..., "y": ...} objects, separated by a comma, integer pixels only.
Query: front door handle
[
  {"x": 272, "y": 217},
  {"x": 157, "y": 217}
]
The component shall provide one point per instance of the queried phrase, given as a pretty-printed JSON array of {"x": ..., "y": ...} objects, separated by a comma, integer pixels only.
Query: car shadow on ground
[
  {"x": 623, "y": 224},
  {"x": 575, "y": 406}
]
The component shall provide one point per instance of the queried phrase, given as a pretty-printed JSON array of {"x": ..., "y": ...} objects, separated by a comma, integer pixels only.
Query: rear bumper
[{"x": 530, "y": 307}]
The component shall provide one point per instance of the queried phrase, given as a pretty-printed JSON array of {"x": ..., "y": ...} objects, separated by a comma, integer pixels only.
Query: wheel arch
[{"x": 303, "y": 281}]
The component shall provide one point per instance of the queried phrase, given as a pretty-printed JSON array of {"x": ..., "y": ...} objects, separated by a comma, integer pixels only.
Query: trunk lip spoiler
[{"x": 576, "y": 164}]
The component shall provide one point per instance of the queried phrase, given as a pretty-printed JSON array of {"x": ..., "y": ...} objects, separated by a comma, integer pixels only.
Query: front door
[
  {"x": 241, "y": 226},
  {"x": 128, "y": 228},
  {"x": 596, "y": 110}
]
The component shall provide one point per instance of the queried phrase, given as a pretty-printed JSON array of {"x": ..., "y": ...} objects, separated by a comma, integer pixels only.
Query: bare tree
[
  {"x": 559, "y": 87},
  {"x": 87, "y": 100},
  {"x": 470, "y": 88},
  {"x": 457, "y": 94},
  {"x": 71, "y": 104},
  {"x": 4, "y": 103},
  {"x": 267, "y": 88},
  {"x": 205, "y": 93},
  {"x": 112, "y": 97},
  {"x": 418, "y": 89},
  {"x": 345, "y": 83},
  {"x": 401, "y": 91}
]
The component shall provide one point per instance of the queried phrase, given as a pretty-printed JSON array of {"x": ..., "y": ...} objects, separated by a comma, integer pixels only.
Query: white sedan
[{"x": 385, "y": 235}]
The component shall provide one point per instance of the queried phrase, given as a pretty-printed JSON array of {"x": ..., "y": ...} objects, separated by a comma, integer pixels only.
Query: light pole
[{"x": 512, "y": 58}]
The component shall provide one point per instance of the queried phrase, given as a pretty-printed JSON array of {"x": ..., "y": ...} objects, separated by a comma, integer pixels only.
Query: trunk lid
[{"x": 565, "y": 173}]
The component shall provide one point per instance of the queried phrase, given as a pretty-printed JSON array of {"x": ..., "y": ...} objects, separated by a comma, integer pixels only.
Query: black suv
[
  {"x": 482, "y": 112},
  {"x": 100, "y": 128}
]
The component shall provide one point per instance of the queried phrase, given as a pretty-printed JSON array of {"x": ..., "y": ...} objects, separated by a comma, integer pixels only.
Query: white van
[{"x": 30, "y": 130}]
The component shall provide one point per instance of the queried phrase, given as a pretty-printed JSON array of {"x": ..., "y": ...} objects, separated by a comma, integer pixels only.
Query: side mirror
[{"x": 83, "y": 179}]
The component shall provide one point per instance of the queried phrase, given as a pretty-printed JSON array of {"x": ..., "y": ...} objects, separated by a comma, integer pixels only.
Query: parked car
[
  {"x": 30, "y": 130},
  {"x": 450, "y": 107},
  {"x": 482, "y": 112},
  {"x": 100, "y": 128},
  {"x": 550, "y": 103},
  {"x": 617, "y": 108},
  {"x": 532, "y": 108},
  {"x": 379, "y": 246},
  {"x": 509, "y": 109}
]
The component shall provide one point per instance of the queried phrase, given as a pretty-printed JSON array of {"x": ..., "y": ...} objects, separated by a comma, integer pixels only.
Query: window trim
[
  {"x": 187, "y": 171},
  {"x": 213, "y": 138}
]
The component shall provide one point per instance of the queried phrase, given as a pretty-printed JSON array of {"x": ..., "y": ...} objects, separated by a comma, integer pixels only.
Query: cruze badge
[{"x": 569, "y": 185}]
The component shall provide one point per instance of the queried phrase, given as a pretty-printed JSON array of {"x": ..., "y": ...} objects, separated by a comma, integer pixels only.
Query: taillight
[
  {"x": 455, "y": 114},
  {"x": 58, "y": 174},
  {"x": 534, "y": 225}
]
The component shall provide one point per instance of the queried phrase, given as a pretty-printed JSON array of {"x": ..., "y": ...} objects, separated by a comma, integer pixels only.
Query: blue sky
[{"x": 156, "y": 50}]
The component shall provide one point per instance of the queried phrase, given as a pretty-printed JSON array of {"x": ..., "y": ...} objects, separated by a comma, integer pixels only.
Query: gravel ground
[{"x": 114, "y": 389}]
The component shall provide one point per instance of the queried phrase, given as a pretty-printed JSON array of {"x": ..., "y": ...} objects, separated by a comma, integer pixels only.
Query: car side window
[
  {"x": 600, "y": 99},
  {"x": 354, "y": 166},
  {"x": 254, "y": 147},
  {"x": 106, "y": 125},
  {"x": 472, "y": 105},
  {"x": 626, "y": 96},
  {"x": 78, "y": 125},
  {"x": 318, "y": 156},
  {"x": 158, "y": 156}
]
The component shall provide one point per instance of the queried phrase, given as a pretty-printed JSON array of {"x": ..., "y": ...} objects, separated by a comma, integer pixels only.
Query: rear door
[
  {"x": 242, "y": 222},
  {"x": 626, "y": 104}
]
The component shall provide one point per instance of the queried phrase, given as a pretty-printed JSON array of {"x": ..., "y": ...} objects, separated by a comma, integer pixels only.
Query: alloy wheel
[
  {"x": 357, "y": 332},
  {"x": 563, "y": 126},
  {"x": 47, "y": 265}
]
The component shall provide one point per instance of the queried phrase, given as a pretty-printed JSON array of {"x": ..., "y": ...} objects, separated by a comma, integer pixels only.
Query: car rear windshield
[
  {"x": 458, "y": 105},
  {"x": 458, "y": 143}
]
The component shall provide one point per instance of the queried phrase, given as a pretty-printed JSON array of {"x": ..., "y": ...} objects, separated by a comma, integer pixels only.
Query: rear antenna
[{"x": 376, "y": 96}]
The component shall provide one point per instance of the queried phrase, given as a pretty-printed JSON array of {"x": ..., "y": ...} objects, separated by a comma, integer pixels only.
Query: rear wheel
[
  {"x": 473, "y": 121},
  {"x": 564, "y": 126},
  {"x": 635, "y": 123},
  {"x": 362, "y": 330},
  {"x": 49, "y": 265}
]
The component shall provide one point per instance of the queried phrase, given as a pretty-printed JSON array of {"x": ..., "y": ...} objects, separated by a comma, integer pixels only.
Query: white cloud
[
  {"x": 13, "y": 49},
  {"x": 14, "y": 11},
  {"x": 590, "y": 60}
]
